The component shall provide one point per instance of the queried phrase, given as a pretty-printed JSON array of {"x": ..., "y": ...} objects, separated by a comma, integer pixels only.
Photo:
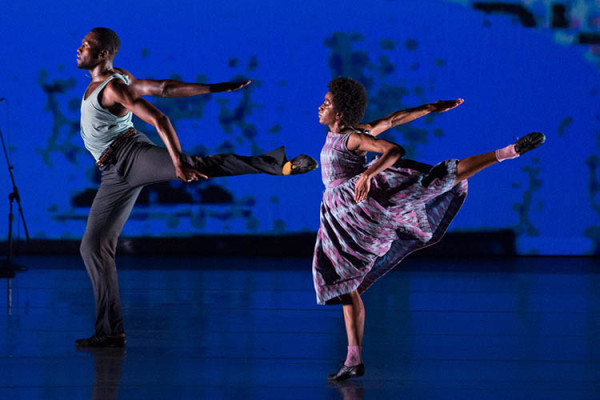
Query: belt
[{"x": 107, "y": 154}]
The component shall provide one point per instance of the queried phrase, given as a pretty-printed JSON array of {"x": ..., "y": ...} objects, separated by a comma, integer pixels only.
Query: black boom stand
[{"x": 7, "y": 268}]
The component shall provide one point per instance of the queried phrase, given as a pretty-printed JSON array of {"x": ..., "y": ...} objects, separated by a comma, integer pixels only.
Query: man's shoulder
[
  {"x": 119, "y": 79},
  {"x": 118, "y": 88},
  {"x": 123, "y": 74}
]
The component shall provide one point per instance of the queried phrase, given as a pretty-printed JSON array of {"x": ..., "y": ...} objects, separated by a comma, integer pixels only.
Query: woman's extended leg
[{"x": 469, "y": 166}]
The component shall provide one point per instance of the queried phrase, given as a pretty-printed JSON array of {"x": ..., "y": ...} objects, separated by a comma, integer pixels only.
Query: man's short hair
[
  {"x": 108, "y": 40},
  {"x": 349, "y": 98}
]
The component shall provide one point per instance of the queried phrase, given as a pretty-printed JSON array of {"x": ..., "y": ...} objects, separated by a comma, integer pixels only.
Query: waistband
[
  {"x": 337, "y": 182},
  {"x": 107, "y": 154}
]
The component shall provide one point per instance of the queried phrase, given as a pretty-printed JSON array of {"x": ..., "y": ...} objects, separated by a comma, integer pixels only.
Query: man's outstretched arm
[
  {"x": 117, "y": 92},
  {"x": 173, "y": 88}
]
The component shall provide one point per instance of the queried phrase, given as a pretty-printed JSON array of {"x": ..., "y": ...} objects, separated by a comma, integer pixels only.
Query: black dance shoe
[
  {"x": 299, "y": 165},
  {"x": 346, "y": 372},
  {"x": 529, "y": 142},
  {"x": 102, "y": 341}
]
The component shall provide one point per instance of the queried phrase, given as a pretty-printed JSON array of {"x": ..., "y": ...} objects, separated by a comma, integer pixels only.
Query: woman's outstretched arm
[{"x": 404, "y": 116}]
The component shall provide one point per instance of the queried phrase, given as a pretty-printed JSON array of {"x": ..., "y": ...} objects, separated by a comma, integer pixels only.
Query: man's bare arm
[
  {"x": 404, "y": 116},
  {"x": 174, "y": 88},
  {"x": 117, "y": 92}
]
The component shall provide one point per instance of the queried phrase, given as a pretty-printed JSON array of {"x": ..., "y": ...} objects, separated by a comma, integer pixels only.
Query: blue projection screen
[{"x": 520, "y": 66}]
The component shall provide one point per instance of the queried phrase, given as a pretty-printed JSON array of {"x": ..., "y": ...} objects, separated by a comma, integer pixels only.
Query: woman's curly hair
[{"x": 349, "y": 98}]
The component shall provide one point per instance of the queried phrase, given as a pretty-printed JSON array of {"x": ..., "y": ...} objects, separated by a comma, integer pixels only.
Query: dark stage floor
[{"x": 249, "y": 328}]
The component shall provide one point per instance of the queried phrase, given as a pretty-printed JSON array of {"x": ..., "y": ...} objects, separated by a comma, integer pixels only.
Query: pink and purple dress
[{"x": 409, "y": 207}]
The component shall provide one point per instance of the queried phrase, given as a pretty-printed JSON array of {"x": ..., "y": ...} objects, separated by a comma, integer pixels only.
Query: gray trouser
[{"x": 138, "y": 163}]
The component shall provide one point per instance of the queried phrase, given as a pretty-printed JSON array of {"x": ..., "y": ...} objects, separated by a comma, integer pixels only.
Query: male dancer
[{"x": 129, "y": 161}]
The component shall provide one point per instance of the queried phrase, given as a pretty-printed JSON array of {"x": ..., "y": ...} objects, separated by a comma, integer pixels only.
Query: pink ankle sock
[
  {"x": 506, "y": 153},
  {"x": 353, "y": 358}
]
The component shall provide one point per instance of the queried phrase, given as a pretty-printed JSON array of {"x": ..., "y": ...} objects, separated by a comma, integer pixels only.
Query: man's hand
[
  {"x": 228, "y": 86},
  {"x": 361, "y": 188},
  {"x": 187, "y": 174},
  {"x": 445, "y": 105}
]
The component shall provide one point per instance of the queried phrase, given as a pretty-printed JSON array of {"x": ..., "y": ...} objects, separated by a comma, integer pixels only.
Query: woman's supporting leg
[{"x": 354, "y": 318}]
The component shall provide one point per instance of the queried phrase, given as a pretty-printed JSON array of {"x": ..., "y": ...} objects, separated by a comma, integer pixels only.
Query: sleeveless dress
[{"x": 409, "y": 207}]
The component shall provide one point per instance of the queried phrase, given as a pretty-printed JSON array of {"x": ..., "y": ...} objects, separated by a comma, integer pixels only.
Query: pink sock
[
  {"x": 353, "y": 358},
  {"x": 506, "y": 153}
]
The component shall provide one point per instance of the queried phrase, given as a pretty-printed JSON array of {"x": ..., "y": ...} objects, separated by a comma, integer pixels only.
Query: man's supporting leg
[{"x": 108, "y": 214}]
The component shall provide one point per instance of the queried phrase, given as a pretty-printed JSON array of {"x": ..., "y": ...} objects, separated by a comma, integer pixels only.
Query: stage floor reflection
[{"x": 249, "y": 328}]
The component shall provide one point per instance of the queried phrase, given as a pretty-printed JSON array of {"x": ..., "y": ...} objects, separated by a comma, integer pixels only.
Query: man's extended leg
[
  {"x": 146, "y": 163},
  {"x": 232, "y": 164}
]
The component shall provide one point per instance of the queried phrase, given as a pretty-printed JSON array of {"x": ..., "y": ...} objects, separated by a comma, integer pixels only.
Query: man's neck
[{"x": 102, "y": 71}]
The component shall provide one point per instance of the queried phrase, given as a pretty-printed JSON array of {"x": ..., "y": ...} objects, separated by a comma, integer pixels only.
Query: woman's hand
[{"x": 362, "y": 187}]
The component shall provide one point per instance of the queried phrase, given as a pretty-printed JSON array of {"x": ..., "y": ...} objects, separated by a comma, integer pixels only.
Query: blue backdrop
[{"x": 528, "y": 67}]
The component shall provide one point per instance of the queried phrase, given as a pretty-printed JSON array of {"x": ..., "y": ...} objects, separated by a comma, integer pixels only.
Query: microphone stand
[{"x": 7, "y": 269}]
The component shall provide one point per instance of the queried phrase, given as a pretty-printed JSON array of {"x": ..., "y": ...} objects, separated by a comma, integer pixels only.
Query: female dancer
[{"x": 373, "y": 215}]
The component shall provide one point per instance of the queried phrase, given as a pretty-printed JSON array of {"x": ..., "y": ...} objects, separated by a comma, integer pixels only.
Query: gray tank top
[{"x": 100, "y": 127}]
